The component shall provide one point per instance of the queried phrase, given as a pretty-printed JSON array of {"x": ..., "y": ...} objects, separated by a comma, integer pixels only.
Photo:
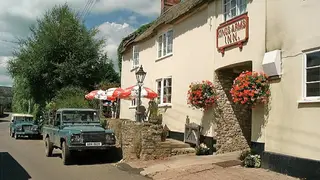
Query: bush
[
  {"x": 71, "y": 97},
  {"x": 252, "y": 161},
  {"x": 250, "y": 158}
]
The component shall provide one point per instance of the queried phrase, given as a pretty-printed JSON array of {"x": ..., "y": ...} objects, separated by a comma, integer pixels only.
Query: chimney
[{"x": 166, "y": 4}]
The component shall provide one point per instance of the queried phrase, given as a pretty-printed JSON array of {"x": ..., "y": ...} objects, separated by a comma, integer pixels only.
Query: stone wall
[
  {"x": 139, "y": 140},
  {"x": 233, "y": 122}
]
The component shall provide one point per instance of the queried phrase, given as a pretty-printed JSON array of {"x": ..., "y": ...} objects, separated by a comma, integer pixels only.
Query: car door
[{"x": 56, "y": 129}]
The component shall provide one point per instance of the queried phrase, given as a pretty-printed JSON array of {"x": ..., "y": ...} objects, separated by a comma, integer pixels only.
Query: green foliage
[
  {"x": 132, "y": 36},
  {"x": 60, "y": 52},
  {"x": 70, "y": 97},
  {"x": 21, "y": 95},
  {"x": 252, "y": 161},
  {"x": 202, "y": 150},
  {"x": 106, "y": 85}
]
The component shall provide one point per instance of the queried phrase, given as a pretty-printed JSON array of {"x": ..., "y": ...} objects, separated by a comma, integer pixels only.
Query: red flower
[
  {"x": 201, "y": 95},
  {"x": 250, "y": 88}
]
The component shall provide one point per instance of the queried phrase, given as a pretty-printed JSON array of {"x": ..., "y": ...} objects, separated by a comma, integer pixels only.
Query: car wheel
[
  {"x": 48, "y": 147},
  {"x": 66, "y": 155}
]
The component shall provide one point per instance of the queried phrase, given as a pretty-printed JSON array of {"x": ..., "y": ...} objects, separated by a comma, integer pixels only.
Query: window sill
[
  {"x": 165, "y": 105},
  {"x": 308, "y": 101},
  {"x": 132, "y": 107},
  {"x": 134, "y": 68},
  {"x": 164, "y": 57}
]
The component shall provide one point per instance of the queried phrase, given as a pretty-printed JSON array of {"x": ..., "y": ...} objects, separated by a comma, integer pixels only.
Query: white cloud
[
  {"x": 5, "y": 79},
  {"x": 113, "y": 33},
  {"x": 17, "y": 15}
]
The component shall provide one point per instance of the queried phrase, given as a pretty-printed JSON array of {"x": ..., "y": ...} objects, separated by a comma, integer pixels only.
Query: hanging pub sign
[{"x": 233, "y": 33}]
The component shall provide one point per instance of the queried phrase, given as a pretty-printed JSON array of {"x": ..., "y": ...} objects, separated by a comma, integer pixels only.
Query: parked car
[
  {"x": 23, "y": 125},
  {"x": 77, "y": 130}
]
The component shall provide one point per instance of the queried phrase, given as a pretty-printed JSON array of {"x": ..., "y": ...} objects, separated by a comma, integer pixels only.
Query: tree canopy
[{"x": 60, "y": 52}]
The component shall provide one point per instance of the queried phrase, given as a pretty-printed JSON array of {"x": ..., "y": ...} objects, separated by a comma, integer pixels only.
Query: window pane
[
  {"x": 169, "y": 81},
  {"x": 160, "y": 46},
  {"x": 170, "y": 41},
  {"x": 313, "y": 59},
  {"x": 164, "y": 99},
  {"x": 167, "y": 91},
  {"x": 159, "y": 91},
  {"x": 313, "y": 89},
  {"x": 233, "y": 3},
  {"x": 243, "y": 8},
  {"x": 313, "y": 74},
  {"x": 233, "y": 12},
  {"x": 164, "y": 44}
]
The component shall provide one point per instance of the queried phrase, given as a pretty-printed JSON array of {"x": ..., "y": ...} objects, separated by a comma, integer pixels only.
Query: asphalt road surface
[{"x": 25, "y": 159}]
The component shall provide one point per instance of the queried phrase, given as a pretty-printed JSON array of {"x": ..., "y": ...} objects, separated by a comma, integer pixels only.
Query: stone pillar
[{"x": 233, "y": 122}]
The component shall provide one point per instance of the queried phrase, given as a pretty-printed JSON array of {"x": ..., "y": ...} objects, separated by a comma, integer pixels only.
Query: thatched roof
[{"x": 169, "y": 16}]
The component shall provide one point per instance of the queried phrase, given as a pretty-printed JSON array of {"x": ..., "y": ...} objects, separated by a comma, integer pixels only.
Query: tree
[
  {"x": 60, "y": 52},
  {"x": 21, "y": 95}
]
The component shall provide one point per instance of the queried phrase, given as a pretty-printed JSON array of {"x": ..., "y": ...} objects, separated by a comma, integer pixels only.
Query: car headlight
[
  {"x": 34, "y": 128},
  {"x": 76, "y": 138},
  {"x": 110, "y": 137}
]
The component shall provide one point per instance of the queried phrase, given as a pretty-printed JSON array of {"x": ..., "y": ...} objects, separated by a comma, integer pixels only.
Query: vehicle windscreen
[
  {"x": 80, "y": 116},
  {"x": 22, "y": 119}
]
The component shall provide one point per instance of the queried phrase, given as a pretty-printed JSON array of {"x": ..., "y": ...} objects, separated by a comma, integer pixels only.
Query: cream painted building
[{"x": 191, "y": 41}]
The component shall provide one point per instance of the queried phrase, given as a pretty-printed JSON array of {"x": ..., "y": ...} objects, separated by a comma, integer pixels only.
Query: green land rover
[{"x": 76, "y": 129}]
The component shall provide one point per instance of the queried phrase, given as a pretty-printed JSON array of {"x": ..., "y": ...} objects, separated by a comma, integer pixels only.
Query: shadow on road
[
  {"x": 4, "y": 115},
  {"x": 91, "y": 158},
  {"x": 10, "y": 169},
  {"x": 2, "y": 121}
]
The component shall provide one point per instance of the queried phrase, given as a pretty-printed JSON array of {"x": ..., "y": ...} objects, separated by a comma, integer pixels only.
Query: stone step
[
  {"x": 182, "y": 151},
  {"x": 174, "y": 144}
]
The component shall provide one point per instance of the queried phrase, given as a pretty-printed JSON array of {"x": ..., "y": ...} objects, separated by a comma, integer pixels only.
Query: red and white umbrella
[
  {"x": 96, "y": 94},
  {"x": 132, "y": 92},
  {"x": 113, "y": 93}
]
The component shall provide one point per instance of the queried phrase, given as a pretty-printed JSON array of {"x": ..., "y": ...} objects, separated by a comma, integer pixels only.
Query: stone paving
[
  {"x": 214, "y": 172},
  {"x": 214, "y": 167}
]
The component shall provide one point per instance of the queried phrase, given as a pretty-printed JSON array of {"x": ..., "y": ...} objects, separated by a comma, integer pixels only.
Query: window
[
  {"x": 164, "y": 88},
  {"x": 312, "y": 75},
  {"x": 135, "y": 57},
  {"x": 233, "y": 8},
  {"x": 165, "y": 42},
  {"x": 133, "y": 103}
]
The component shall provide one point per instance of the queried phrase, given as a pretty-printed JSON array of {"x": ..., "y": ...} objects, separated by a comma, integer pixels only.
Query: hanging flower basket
[
  {"x": 201, "y": 95},
  {"x": 250, "y": 88}
]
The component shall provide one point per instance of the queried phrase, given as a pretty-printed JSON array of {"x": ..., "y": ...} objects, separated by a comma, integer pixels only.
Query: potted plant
[
  {"x": 154, "y": 116},
  {"x": 202, "y": 95},
  {"x": 202, "y": 149},
  {"x": 250, "y": 88}
]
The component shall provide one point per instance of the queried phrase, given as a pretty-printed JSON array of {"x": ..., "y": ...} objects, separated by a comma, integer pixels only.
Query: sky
[{"x": 114, "y": 18}]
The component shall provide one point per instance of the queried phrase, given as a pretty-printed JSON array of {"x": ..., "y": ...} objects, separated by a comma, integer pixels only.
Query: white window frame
[
  {"x": 237, "y": 7},
  {"x": 161, "y": 103},
  {"x": 135, "y": 59},
  {"x": 166, "y": 44},
  {"x": 311, "y": 98}
]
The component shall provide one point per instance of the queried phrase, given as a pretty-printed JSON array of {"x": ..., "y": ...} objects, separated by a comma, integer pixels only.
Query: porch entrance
[{"x": 233, "y": 122}]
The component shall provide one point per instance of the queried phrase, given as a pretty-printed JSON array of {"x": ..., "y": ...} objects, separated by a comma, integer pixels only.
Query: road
[{"x": 25, "y": 159}]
